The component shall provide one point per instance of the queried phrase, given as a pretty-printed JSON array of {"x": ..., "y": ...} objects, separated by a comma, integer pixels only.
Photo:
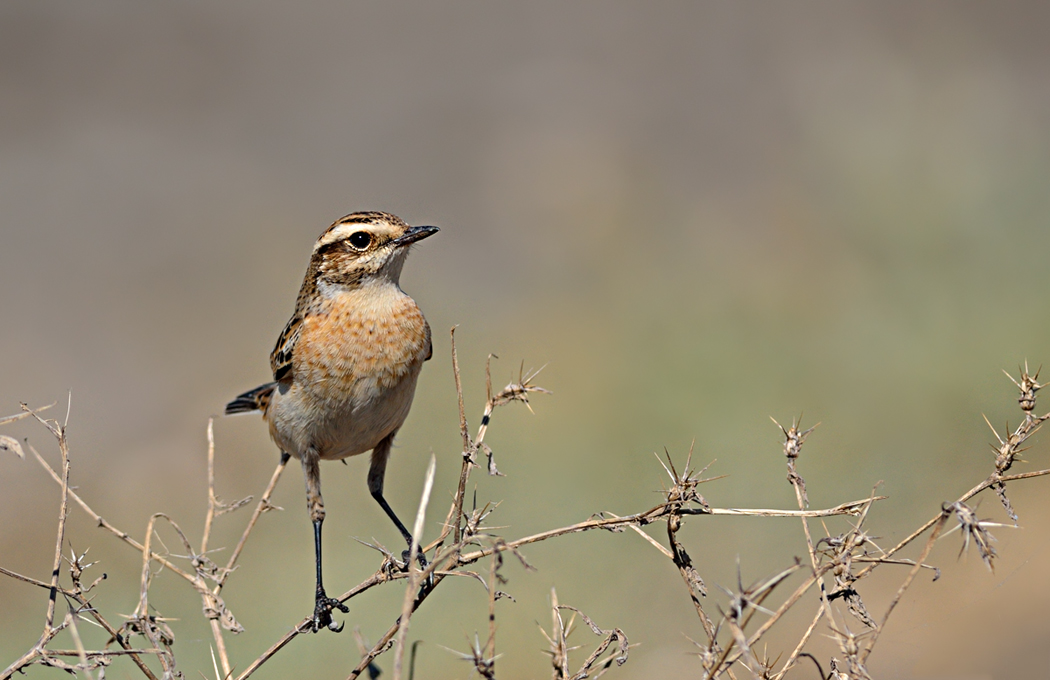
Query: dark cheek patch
[{"x": 342, "y": 268}]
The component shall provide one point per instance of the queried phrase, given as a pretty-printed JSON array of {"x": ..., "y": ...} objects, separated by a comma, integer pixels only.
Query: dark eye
[{"x": 359, "y": 240}]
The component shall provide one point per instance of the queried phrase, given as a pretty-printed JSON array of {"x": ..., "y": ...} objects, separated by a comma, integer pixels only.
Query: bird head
[{"x": 363, "y": 247}]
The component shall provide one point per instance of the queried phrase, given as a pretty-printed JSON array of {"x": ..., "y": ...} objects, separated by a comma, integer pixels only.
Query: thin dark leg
[
  {"x": 323, "y": 605},
  {"x": 376, "y": 473},
  {"x": 390, "y": 513},
  {"x": 317, "y": 555}
]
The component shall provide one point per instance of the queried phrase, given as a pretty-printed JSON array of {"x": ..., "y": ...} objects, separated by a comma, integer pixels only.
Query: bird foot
[
  {"x": 323, "y": 613},
  {"x": 428, "y": 582}
]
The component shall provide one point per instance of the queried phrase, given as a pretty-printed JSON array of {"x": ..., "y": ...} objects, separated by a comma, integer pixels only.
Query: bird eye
[{"x": 359, "y": 240}]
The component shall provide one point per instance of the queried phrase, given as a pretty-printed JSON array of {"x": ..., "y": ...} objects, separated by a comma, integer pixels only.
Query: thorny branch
[
  {"x": 142, "y": 622},
  {"x": 465, "y": 539},
  {"x": 594, "y": 666}
]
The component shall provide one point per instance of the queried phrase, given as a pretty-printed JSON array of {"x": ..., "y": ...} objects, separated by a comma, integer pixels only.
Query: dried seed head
[
  {"x": 1012, "y": 445},
  {"x": 794, "y": 437},
  {"x": 849, "y": 645},
  {"x": 683, "y": 486},
  {"x": 976, "y": 530},
  {"x": 1028, "y": 385}
]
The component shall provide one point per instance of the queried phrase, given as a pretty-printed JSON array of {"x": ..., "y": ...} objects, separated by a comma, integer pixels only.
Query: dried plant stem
[
  {"x": 413, "y": 571},
  {"x": 35, "y": 652},
  {"x": 559, "y": 653},
  {"x": 468, "y": 528},
  {"x": 850, "y": 508},
  {"x": 122, "y": 535},
  {"x": 213, "y": 502},
  {"x": 456, "y": 511},
  {"x": 210, "y": 596},
  {"x": 811, "y": 550},
  {"x": 127, "y": 649},
  {"x": 49, "y": 629},
  {"x": 142, "y": 610},
  {"x": 938, "y": 526},
  {"x": 685, "y": 569},
  {"x": 26, "y": 579},
  {"x": 657, "y": 512},
  {"x": 26, "y": 413},
  {"x": 63, "y": 512},
  {"x": 385, "y": 641},
  {"x": 518, "y": 391},
  {"x": 220, "y": 647},
  {"x": 790, "y": 663},
  {"x": 213, "y": 606},
  {"x": 825, "y": 605},
  {"x": 986, "y": 484},
  {"x": 305, "y": 624},
  {"x": 260, "y": 508},
  {"x": 794, "y": 438},
  {"x": 490, "y": 644},
  {"x": 728, "y": 660},
  {"x": 383, "y": 644},
  {"x": 662, "y": 511},
  {"x": 84, "y": 606},
  {"x": 81, "y": 652},
  {"x": 381, "y": 576},
  {"x": 106, "y": 652}
]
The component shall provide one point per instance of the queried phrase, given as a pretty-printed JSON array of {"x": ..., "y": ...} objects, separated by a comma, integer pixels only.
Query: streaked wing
[{"x": 281, "y": 357}]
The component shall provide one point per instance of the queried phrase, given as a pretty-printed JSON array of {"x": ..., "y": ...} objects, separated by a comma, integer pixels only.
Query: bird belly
[{"x": 338, "y": 427}]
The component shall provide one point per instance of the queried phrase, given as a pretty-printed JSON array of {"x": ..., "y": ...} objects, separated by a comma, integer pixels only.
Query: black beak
[{"x": 415, "y": 234}]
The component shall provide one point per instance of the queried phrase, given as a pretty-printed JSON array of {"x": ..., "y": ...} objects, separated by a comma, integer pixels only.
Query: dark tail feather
[{"x": 253, "y": 400}]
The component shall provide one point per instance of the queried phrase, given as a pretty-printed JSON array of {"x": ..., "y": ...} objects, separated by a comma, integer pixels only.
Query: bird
[{"x": 346, "y": 364}]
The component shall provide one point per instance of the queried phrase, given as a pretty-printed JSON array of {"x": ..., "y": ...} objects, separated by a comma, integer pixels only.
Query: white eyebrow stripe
[{"x": 338, "y": 234}]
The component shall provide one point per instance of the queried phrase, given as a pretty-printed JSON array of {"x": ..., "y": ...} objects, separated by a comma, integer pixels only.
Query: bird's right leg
[
  {"x": 323, "y": 605},
  {"x": 376, "y": 473}
]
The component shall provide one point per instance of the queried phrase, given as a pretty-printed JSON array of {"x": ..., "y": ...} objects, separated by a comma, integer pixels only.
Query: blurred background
[{"x": 695, "y": 215}]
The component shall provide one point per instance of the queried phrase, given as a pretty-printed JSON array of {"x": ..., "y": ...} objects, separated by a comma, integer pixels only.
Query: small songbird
[{"x": 346, "y": 364}]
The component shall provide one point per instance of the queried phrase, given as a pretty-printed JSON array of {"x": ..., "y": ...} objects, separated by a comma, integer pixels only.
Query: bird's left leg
[
  {"x": 323, "y": 605},
  {"x": 376, "y": 472}
]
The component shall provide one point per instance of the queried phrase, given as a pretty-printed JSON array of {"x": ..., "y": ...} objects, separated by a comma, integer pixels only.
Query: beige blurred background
[{"x": 697, "y": 215}]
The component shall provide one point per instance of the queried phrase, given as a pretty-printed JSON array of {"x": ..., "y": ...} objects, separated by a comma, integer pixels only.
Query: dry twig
[{"x": 731, "y": 638}]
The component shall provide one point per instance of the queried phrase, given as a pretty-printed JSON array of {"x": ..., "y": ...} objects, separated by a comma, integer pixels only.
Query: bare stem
[
  {"x": 413, "y": 573},
  {"x": 789, "y": 664},
  {"x": 212, "y": 501},
  {"x": 260, "y": 508},
  {"x": 992, "y": 480},
  {"x": 63, "y": 513},
  {"x": 456, "y": 511},
  {"x": 939, "y": 525},
  {"x": 122, "y": 535},
  {"x": 661, "y": 512}
]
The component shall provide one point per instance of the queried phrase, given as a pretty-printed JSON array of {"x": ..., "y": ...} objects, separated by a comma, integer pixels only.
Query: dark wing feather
[
  {"x": 305, "y": 304},
  {"x": 281, "y": 357}
]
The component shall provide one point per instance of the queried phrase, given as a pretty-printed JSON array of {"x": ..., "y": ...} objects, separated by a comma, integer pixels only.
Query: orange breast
[{"x": 365, "y": 341}]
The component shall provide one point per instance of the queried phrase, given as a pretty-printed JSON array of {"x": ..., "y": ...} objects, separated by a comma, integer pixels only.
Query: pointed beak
[{"x": 414, "y": 234}]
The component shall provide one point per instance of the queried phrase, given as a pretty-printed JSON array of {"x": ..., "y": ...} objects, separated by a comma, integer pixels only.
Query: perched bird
[{"x": 345, "y": 366}]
